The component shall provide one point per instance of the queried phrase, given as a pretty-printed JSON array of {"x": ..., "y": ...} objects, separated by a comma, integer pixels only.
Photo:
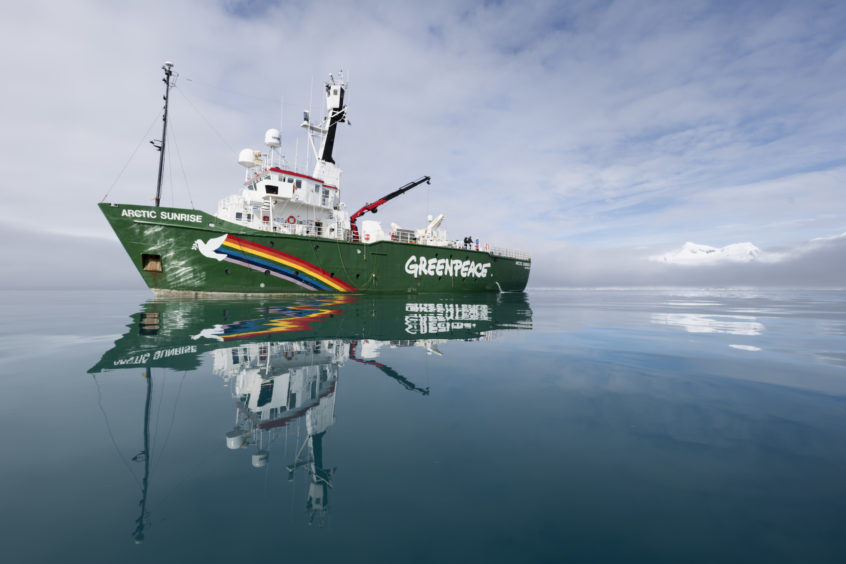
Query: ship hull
[{"x": 189, "y": 252}]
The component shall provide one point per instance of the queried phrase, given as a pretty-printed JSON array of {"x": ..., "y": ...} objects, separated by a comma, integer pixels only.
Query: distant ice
[
  {"x": 694, "y": 254},
  {"x": 745, "y": 347}
]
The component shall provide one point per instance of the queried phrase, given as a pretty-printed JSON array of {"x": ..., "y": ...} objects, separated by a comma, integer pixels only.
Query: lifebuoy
[
  {"x": 291, "y": 219},
  {"x": 289, "y": 355}
]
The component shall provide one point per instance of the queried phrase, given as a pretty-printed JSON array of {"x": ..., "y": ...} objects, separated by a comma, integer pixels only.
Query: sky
[{"x": 592, "y": 134}]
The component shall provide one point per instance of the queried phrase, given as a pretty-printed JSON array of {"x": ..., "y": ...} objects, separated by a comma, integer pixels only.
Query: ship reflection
[
  {"x": 275, "y": 385},
  {"x": 282, "y": 362}
]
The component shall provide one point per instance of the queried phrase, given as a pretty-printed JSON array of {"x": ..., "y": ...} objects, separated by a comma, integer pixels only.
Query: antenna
[
  {"x": 281, "y": 120},
  {"x": 310, "y": 100}
]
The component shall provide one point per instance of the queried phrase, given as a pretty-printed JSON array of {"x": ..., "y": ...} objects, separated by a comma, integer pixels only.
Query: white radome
[
  {"x": 259, "y": 459},
  {"x": 234, "y": 439},
  {"x": 246, "y": 158},
  {"x": 272, "y": 138}
]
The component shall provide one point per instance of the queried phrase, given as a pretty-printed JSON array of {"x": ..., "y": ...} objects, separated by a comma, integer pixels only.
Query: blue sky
[{"x": 592, "y": 134}]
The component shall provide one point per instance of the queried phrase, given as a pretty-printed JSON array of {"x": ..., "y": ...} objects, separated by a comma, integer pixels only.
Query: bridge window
[
  {"x": 271, "y": 189},
  {"x": 265, "y": 393}
]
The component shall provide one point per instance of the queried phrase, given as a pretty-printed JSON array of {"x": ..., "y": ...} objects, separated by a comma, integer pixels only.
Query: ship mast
[
  {"x": 336, "y": 112},
  {"x": 160, "y": 144},
  {"x": 144, "y": 455}
]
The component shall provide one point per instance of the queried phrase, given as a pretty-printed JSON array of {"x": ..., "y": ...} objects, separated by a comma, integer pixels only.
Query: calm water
[{"x": 562, "y": 425}]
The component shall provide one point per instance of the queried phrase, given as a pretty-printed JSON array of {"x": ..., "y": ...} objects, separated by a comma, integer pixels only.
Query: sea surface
[{"x": 560, "y": 425}]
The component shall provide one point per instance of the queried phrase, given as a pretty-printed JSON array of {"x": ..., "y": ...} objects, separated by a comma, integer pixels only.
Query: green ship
[{"x": 288, "y": 232}]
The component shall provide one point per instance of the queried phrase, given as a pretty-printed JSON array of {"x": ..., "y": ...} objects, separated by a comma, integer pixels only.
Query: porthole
[{"x": 227, "y": 271}]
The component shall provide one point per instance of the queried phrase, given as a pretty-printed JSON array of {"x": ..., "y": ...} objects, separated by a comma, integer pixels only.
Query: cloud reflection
[{"x": 699, "y": 323}]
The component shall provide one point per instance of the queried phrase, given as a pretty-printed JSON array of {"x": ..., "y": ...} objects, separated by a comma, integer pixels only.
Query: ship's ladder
[{"x": 266, "y": 213}]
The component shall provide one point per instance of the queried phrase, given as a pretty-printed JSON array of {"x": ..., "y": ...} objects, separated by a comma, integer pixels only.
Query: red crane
[{"x": 375, "y": 205}]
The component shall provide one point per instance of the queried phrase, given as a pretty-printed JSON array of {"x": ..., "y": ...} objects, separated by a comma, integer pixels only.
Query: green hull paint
[{"x": 380, "y": 267}]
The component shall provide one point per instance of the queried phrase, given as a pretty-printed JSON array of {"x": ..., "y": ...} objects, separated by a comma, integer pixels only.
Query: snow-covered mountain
[{"x": 693, "y": 254}]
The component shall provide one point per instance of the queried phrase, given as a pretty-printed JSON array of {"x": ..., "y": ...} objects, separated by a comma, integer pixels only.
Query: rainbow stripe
[
  {"x": 282, "y": 265},
  {"x": 294, "y": 318}
]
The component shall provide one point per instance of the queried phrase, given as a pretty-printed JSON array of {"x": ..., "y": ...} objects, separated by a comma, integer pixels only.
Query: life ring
[
  {"x": 289, "y": 355},
  {"x": 291, "y": 220}
]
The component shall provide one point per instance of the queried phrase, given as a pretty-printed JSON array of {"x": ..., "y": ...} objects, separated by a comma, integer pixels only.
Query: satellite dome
[
  {"x": 234, "y": 439},
  {"x": 246, "y": 158},
  {"x": 272, "y": 139},
  {"x": 259, "y": 459}
]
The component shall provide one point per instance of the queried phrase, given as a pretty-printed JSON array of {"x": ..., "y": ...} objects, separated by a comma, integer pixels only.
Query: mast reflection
[{"x": 282, "y": 361}]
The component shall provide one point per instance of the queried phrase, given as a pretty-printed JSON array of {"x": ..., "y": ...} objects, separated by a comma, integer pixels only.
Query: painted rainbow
[{"x": 276, "y": 263}]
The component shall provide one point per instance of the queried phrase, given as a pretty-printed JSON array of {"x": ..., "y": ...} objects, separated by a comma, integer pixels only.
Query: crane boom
[
  {"x": 388, "y": 371},
  {"x": 373, "y": 207}
]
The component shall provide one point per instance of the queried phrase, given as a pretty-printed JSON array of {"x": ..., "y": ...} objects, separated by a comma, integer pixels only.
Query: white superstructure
[
  {"x": 287, "y": 390},
  {"x": 277, "y": 197}
]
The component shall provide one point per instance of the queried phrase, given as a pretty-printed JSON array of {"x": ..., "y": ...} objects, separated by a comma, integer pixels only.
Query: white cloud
[{"x": 608, "y": 126}]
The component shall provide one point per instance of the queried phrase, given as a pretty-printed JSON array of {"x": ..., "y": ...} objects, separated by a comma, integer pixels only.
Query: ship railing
[
  {"x": 510, "y": 253},
  {"x": 403, "y": 236}
]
